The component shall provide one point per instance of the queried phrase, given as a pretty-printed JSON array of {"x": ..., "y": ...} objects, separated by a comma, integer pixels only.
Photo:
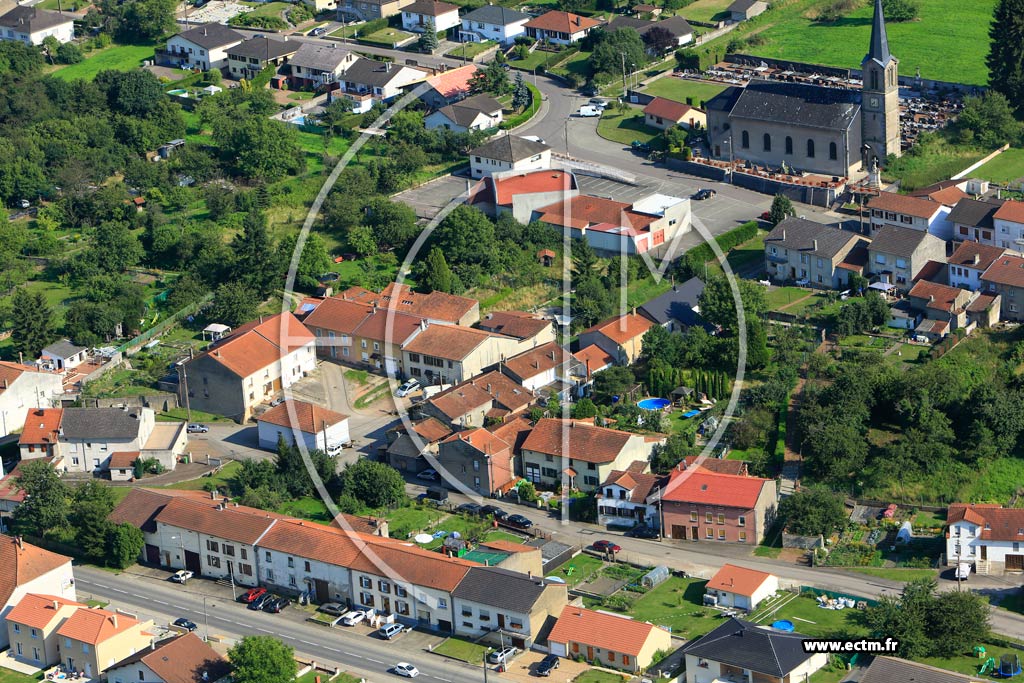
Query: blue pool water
[
  {"x": 783, "y": 625},
  {"x": 654, "y": 403},
  {"x": 299, "y": 120}
]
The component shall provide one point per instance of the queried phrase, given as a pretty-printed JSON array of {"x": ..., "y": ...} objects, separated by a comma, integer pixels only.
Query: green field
[
  {"x": 624, "y": 129},
  {"x": 707, "y": 10},
  {"x": 266, "y": 9},
  {"x": 690, "y": 92},
  {"x": 813, "y": 621},
  {"x": 895, "y": 574},
  {"x": 578, "y": 569},
  {"x": 790, "y": 33},
  {"x": 387, "y": 37},
  {"x": 1006, "y": 167},
  {"x": 598, "y": 676},
  {"x": 470, "y": 50},
  {"x": 221, "y": 478},
  {"x": 783, "y": 296},
  {"x": 117, "y": 57},
  {"x": 577, "y": 64}
]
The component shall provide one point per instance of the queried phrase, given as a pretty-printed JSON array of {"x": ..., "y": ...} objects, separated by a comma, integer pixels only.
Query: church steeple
[{"x": 879, "y": 51}]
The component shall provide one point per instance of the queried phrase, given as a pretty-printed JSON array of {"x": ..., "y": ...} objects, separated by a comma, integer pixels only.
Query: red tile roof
[
  {"x": 905, "y": 204},
  {"x": 738, "y": 580},
  {"x": 638, "y": 483},
  {"x": 491, "y": 386},
  {"x": 10, "y": 372},
  {"x": 601, "y": 630},
  {"x": 981, "y": 303},
  {"x": 538, "y": 360},
  {"x": 94, "y": 625},
  {"x": 975, "y": 255},
  {"x": 431, "y": 429},
  {"x": 668, "y": 109},
  {"x": 482, "y": 440},
  {"x": 1006, "y": 270},
  {"x": 228, "y": 523},
  {"x": 623, "y": 328},
  {"x": 338, "y": 315},
  {"x": 1011, "y": 211},
  {"x": 698, "y": 485},
  {"x": 501, "y": 190},
  {"x": 937, "y": 296},
  {"x": 41, "y": 426},
  {"x": 388, "y": 326},
  {"x": 563, "y": 22},
  {"x": 36, "y": 610},
  {"x": 583, "y": 211},
  {"x": 514, "y": 432},
  {"x": 182, "y": 659},
  {"x": 122, "y": 460},
  {"x": 586, "y": 442},
  {"x": 260, "y": 344},
  {"x": 594, "y": 358},
  {"x": 23, "y": 562},
  {"x": 998, "y": 523},
  {"x": 309, "y": 418},
  {"x": 435, "y": 305},
  {"x": 453, "y": 82},
  {"x": 518, "y": 324},
  {"x": 947, "y": 195},
  {"x": 449, "y": 341},
  {"x": 719, "y": 465}
]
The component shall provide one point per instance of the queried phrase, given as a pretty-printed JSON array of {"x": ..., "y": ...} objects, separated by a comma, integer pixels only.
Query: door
[
  {"x": 679, "y": 531},
  {"x": 153, "y": 554},
  {"x": 590, "y": 653},
  {"x": 1014, "y": 563},
  {"x": 231, "y": 569},
  {"x": 193, "y": 563},
  {"x": 385, "y": 605},
  {"x": 320, "y": 588},
  {"x": 693, "y": 533},
  {"x": 501, "y": 621},
  {"x": 984, "y": 552}
]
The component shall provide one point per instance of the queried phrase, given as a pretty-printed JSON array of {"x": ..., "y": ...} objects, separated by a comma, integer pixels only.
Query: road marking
[
  {"x": 306, "y": 642},
  {"x": 375, "y": 661},
  {"x": 352, "y": 654}
]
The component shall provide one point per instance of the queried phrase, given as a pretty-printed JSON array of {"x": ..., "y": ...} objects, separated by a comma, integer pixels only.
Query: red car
[
  {"x": 766, "y": 216},
  {"x": 605, "y": 547},
  {"x": 253, "y": 594}
]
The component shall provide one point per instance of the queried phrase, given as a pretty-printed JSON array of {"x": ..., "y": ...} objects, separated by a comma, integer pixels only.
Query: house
[
  {"x": 520, "y": 193},
  {"x": 593, "y": 359},
  {"x": 422, "y": 13},
  {"x": 508, "y": 153},
  {"x": 377, "y": 340},
  {"x": 334, "y": 321},
  {"x": 984, "y": 310},
  {"x": 612, "y": 227},
  {"x": 32, "y": 25},
  {"x": 316, "y": 427},
  {"x": 249, "y": 57},
  {"x": 809, "y": 252},
  {"x": 679, "y": 31},
  {"x": 886, "y": 669},
  {"x": 1006, "y": 278},
  {"x": 93, "y": 639},
  {"x": 493, "y": 22},
  {"x": 579, "y": 453},
  {"x": 626, "y": 496},
  {"x": 88, "y": 436},
  {"x": 560, "y": 28},
  {"x": 916, "y": 213},
  {"x": 897, "y": 255},
  {"x": 251, "y": 365},
  {"x": 369, "y": 81},
  {"x": 739, "y": 587},
  {"x": 738, "y": 468},
  {"x": 25, "y": 569},
  {"x": 741, "y": 10},
  {"x": 479, "y": 112},
  {"x": 678, "y": 309},
  {"x": 478, "y": 460},
  {"x": 181, "y": 659},
  {"x": 406, "y": 447},
  {"x": 24, "y": 388},
  {"x": 941, "y": 303},
  {"x": 448, "y": 86},
  {"x": 449, "y": 354},
  {"x": 698, "y": 504},
  {"x": 540, "y": 367},
  {"x": 368, "y": 10},
  {"x": 489, "y": 396},
  {"x": 742, "y": 650},
  {"x": 974, "y": 220},
  {"x": 203, "y": 47},
  {"x": 664, "y": 114},
  {"x": 520, "y": 325},
  {"x": 63, "y": 356},
  {"x": 969, "y": 262},
  {"x": 435, "y": 307},
  {"x": 621, "y": 337},
  {"x": 11, "y": 495},
  {"x": 947, "y": 192},
  {"x": 607, "y": 639},
  {"x": 504, "y": 606},
  {"x": 121, "y": 465},
  {"x": 32, "y": 628},
  {"x": 989, "y": 536},
  {"x": 316, "y": 66},
  {"x": 1009, "y": 225}
]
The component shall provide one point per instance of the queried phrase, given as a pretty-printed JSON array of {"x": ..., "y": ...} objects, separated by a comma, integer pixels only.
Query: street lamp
[
  {"x": 206, "y": 618},
  {"x": 487, "y": 652},
  {"x": 728, "y": 143}
]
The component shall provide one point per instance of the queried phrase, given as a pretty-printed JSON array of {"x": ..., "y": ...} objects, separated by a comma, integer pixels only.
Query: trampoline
[{"x": 1009, "y": 666}]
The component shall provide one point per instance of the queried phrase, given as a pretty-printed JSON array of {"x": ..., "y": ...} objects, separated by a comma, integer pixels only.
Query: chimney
[
  {"x": 977, "y": 259},
  {"x": 814, "y": 245},
  {"x": 577, "y": 20},
  {"x": 213, "y": 495},
  {"x": 56, "y": 604},
  {"x": 20, "y": 541},
  {"x": 204, "y": 31},
  {"x": 783, "y": 234},
  {"x": 931, "y": 298},
  {"x": 5, "y": 383},
  {"x": 113, "y": 620}
]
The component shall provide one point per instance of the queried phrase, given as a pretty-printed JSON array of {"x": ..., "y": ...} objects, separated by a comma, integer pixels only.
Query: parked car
[
  {"x": 389, "y": 631},
  {"x": 546, "y": 665},
  {"x": 605, "y": 547},
  {"x": 642, "y": 531},
  {"x": 599, "y": 103},
  {"x": 182, "y": 622},
  {"x": 24, "y": 203},
  {"x": 353, "y": 618},
  {"x": 518, "y": 521},
  {"x": 588, "y": 111},
  {"x": 766, "y": 215},
  {"x": 332, "y": 608},
  {"x": 468, "y": 509},
  {"x": 181, "y": 576},
  {"x": 493, "y": 511},
  {"x": 406, "y": 669},
  {"x": 410, "y": 385},
  {"x": 275, "y": 606},
  {"x": 261, "y": 601},
  {"x": 196, "y": 428},
  {"x": 321, "y": 31},
  {"x": 329, "y": 277},
  {"x": 639, "y": 146},
  {"x": 436, "y": 495},
  {"x": 252, "y": 594},
  {"x": 277, "y": 401},
  {"x": 502, "y": 656},
  {"x": 963, "y": 571},
  {"x": 429, "y": 474},
  {"x": 334, "y": 448},
  {"x": 704, "y": 193}
]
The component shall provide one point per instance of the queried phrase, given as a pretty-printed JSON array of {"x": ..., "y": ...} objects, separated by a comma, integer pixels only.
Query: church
[{"x": 811, "y": 128}]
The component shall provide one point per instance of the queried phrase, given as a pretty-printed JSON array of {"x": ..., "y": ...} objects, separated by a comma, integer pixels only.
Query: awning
[{"x": 882, "y": 286}]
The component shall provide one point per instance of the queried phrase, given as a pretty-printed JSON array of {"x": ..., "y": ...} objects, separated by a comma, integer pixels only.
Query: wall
[
  {"x": 336, "y": 434},
  {"x": 122, "y": 645},
  {"x": 29, "y": 391},
  {"x": 58, "y": 582},
  {"x": 158, "y": 402},
  {"x": 302, "y": 573}
]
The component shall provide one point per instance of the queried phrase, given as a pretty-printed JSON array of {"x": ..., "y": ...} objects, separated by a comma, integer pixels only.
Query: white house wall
[
  {"x": 59, "y": 582},
  {"x": 31, "y": 390}
]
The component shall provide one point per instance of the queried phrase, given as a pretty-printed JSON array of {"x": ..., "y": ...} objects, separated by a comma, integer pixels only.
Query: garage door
[{"x": 1015, "y": 563}]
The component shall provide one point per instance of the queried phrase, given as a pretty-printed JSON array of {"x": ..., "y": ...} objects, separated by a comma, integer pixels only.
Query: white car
[
  {"x": 588, "y": 110},
  {"x": 502, "y": 656},
  {"x": 353, "y": 618},
  {"x": 410, "y": 385},
  {"x": 334, "y": 448},
  {"x": 406, "y": 669},
  {"x": 963, "y": 571},
  {"x": 181, "y": 576}
]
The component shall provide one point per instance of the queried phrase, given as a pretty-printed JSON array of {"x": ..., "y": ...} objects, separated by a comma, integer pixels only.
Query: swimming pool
[
  {"x": 783, "y": 625},
  {"x": 178, "y": 92},
  {"x": 654, "y": 403}
]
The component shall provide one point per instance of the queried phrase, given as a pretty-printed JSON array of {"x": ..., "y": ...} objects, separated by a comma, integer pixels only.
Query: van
[
  {"x": 389, "y": 631},
  {"x": 437, "y": 495},
  {"x": 963, "y": 571}
]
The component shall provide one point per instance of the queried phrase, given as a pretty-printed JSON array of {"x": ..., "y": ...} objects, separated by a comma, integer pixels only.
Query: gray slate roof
[
  {"x": 430, "y": 8},
  {"x": 264, "y": 48},
  {"x": 212, "y": 36},
  {"x": 30, "y": 19},
  {"x": 742, "y": 5},
  {"x": 510, "y": 148},
  {"x": 800, "y": 234},
  {"x": 500, "y": 588},
  {"x": 749, "y": 646},
  {"x": 676, "y": 304},
  {"x": 464, "y": 113},
  {"x": 889, "y": 669},
  {"x": 372, "y": 73},
  {"x": 677, "y": 26},
  {"x": 100, "y": 423},
  {"x": 974, "y": 213},
  {"x": 319, "y": 57},
  {"x": 799, "y": 104},
  {"x": 63, "y": 349},
  {"x": 725, "y": 100},
  {"x": 496, "y": 15},
  {"x": 879, "y": 51},
  {"x": 899, "y": 241}
]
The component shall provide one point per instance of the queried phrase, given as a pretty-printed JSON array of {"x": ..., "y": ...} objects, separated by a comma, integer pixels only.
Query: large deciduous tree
[
  {"x": 91, "y": 503},
  {"x": 46, "y": 500},
  {"x": 813, "y": 510},
  {"x": 262, "y": 659},
  {"x": 374, "y": 484}
]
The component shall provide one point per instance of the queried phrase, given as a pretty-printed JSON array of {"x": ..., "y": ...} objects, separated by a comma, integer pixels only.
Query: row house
[
  {"x": 478, "y": 461},
  {"x": 701, "y": 505},
  {"x": 520, "y": 325},
  {"x": 630, "y": 495},
  {"x": 974, "y": 220},
  {"x": 406, "y": 445},
  {"x": 502, "y": 606},
  {"x": 248, "y": 58},
  {"x": 969, "y": 262},
  {"x": 944, "y": 308},
  {"x": 492, "y": 396},
  {"x": 606, "y": 639},
  {"x": 548, "y": 367},
  {"x": 1008, "y": 221},
  {"x": 914, "y": 213},
  {"x": 620, "y": 337},
  {"x": 449, "y": 354},
  {"x": 203, "y": 48},
  {"x": 896, "y": 255},
  {"x": 809, "y": 252},
  {"x": 1005, "y": 277},
  {"x": 31, "y": 569},
  {"x": 434, "y": 307},
  {"x": 22, "y": 389},
  {"x": 989, "y": 536}
]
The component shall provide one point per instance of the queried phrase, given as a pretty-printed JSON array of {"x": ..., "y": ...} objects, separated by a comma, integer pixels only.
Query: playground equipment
[
  {"x": 1009, "y": 666},
  {"x": 987, "y": 667}
]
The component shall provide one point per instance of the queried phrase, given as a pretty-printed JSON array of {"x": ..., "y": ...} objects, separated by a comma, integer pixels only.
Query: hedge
[
  {"x": 527, "y": 114},
  {"x": 695, "y": 259}
]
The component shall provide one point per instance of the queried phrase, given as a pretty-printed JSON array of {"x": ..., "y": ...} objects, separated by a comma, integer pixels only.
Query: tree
[
  {"x": 115, "y": 248},
  {"x": 428, "y": 39},
  {"x": 613, "y": 382},
  {"x": 262, "y": 659},
  {"x": 615, "y": 51},
  {"x": 584, "y": 409},
  {"x": 234, "y": 303},
  {"x": 313, "y": 260},
  {"x": 521, "y": 96},
  {"x": 393, "y": 223},
  {"x": 813, "y": 510},
  {"x": 592, "y": 302},
  {"x": 124, "y": 543},
  {"x": 781, "y": 209},
  {"x": 466, "y": 238},
  {"x": 32, "y": 325},
  {"x": 989, "y": 120},
  {"x": 362, "y": 241},
  {"x": 437, "y": 276},
  {"x": 256, "y": 260},
  {"x": 659, "y": 40},
  {"x": 134, "y": 93},
  {"x": 718, "y": 305},
  {"x": 146, "y": 19},
  {"x": 1006, "y": 52},
  {"x": 91, "y": 503},
  {"x": 257, "y": 147},
  {"x": 900, "y": 10},
  {"x": 46, "y": 500},
  {"x": 374, "y": 484},
  {"x": 69, "y": 53},
  {"x": 491, "y": 79}
]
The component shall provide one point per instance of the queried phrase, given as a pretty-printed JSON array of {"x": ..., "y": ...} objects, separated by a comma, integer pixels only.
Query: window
[
  {"x": 710, "y": 534},
  {"x": 721, "y": 518},
  {"x": 709, "y": 518},
  {"x": 693, "y": 517},
  {"x": 549, "y": 472},
  {"x": 401, "y": 592},
  {"x": 67, "y": 643},
  {"x": 35, "y": 633},
  {"x": 909, "y": 220},
  {"x": 743, "y": 537},
  {"x": 365, "y": 582},
  {"x": 384, "y": 586},
  {"x": 85, "y": 648},
  {"x": 611, "y": 656},
  {"x": 229, "y": 550},
  {"x": 744, "y": 139},
  {"x": 402, "y": 607},
  {"x": 17, "y": 628},
  {"x": 1016, "y": 548},
  {"x": 366, "y": 599},
  {"x": 245, "y": 569},
  {"x": 245, "y": 554},
  {"x": 964, "y": 230},
  {"x": 880, "y": 258},
  {"x": 789, "y": 145},
  {"x": 213, "y": 561},
  {"x": 625, "y": 660},
  {"x": 721, "y": 534},
  {"x": 810, "y": 149},
  {"x": 591, "y": 481},
  {"x": 767, "y": 142},
  {"x": 467, "y": 611},
  {"x": 291, "y": 580},
  {"x": 442, "y": 603},
  {"x": 291, "y": 563},
  {"x": 741, "y": 521},
  {"x": 833, "y": 151},
  {"x": 485, "y": 615},
  {"x": 901, "y": 263},
  {"x": 268, "y": 556},
  {"x": 142, "y": 675},
  {"x": 476, "y": 465}
]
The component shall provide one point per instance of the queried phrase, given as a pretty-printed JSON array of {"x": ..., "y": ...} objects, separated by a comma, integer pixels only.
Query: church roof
[
  {"x": 799, "y": 104},
  {"x": 879, "y": 51}
]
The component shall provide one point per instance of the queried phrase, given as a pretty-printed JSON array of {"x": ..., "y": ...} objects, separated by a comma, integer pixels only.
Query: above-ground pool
[
  {"x": 179, "y": 92},
  {"x": 654, "y": 403},
  {"x": 783, "y": 625}
]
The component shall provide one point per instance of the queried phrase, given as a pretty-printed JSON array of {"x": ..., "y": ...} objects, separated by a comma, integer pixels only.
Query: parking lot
[{"x": 428, "y": 199}]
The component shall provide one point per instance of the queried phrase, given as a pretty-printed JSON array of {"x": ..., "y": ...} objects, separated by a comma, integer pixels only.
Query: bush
[
  {"x": 299, "y": 13},
  {"x": 693, "y": 261},
  {"x": 900, "y": 10},
  {"x": 526, "y": 114}
]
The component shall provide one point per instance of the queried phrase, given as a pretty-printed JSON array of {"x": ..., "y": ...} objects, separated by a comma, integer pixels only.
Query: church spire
[{"x": 879, "y": 40}]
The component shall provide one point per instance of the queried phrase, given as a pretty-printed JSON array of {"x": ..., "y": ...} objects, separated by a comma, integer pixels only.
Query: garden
[
  {"x": 690, "y": 92},
  {"x": 626, "y": 126}
]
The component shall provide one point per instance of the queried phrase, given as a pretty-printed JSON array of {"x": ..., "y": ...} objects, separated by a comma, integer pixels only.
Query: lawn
[
  {"x": 578, "y": 569},
  {"x": 749, "y": 256},
  {"x": 930, "y": 520},
  {"x": 678, "y": 604},
  {"x": 645, "y": 289},
  {"x": 707, "y": 10},
  {"x": 357, "y": 376},
  {"x": 463, "y": 525},
  {"x": 932, "y": 159},
  {"x": 406, "y": 521},
  {"x": 577, "y": 64},
  {"x": 388, "y": 37},
  {"x": 116, "y": 57},
  {"x": 266, "y": 9},
  {"x": 1005, "y": 168},
  {"x": 1013, "y": 602},
  {"x": 814, "y": 621},
  {"x": 535, "y": 59},
  {"x": 502, "y": 536},
  {"x": 597, "y": 676},
  {"x": 181, "y": 415},
  {"x": 9, "y": 676},
  {"x": 965, "y": 663},
  {"x": 307, "y": 507},
  {"x": 783, "y": 296},
  {"x": 220, "y": 479},
  {"x": 470, "y": 50},
  {"x": 683, "y": 90},
  {"x": 463, "y": 650},
  {"x": 896, "y": 574},
  {"x": 625, "y": 128}
]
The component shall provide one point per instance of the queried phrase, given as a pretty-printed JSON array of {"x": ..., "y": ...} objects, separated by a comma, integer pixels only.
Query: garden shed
[{"x": 655, "y": 576}]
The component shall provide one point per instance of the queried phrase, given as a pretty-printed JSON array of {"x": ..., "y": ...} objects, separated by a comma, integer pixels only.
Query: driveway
[{"x": 521, "y": 668}]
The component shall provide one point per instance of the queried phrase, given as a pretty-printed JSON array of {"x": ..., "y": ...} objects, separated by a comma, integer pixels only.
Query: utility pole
[
  {"x": 188, "y": 404},
  {"x": 625, "y": 88}
]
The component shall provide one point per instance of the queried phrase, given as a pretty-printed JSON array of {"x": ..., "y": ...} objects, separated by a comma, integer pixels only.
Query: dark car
[
  {"x": 277, "y": 605},
  {"x": 259, "y": 602},
  {"x": 704, "y": 194},
  {"x": 252, "y": 594},
  {"x": 547, "y": 665},
  {"x": 493, "y": 511},
  {"x": 766, "y": 216},
  {"x": 605, "y": 547},
  {"x": 184, "y": 623},
  {"x": 642, "y": 531},
  {"x": 468, "y": 509},
  {"x": 518, "y": 521}
]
